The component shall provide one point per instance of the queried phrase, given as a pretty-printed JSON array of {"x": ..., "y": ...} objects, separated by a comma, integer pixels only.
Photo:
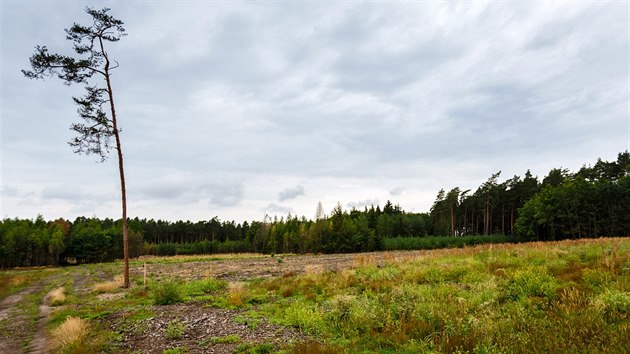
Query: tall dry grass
[
  {"x": 57, "y": 296},
  {"x": 71, "y": 332},
  {"x": 109, "y": 286}
]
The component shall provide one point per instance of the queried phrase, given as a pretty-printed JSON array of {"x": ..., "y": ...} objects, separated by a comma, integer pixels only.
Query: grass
[
  {"x": 167, "y": 293},
  {"x": 568, "y": 296},
  {"x": 175, "y": 329},
  {"x": 70, "y": 333},
  {"x": 437, "y": 242},
  {"x": 58, "y": 296},
  {"x": 12, "y": 281},
  {"x": 229, "y": 339},
  {"x": 108, "y": 286},
  {"x": 193, "y": 258}
]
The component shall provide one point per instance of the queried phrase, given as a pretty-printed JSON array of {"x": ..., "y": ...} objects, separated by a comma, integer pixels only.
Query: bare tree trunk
[
  {"x": 452, "y": 221},
  {"x": 512, "y": 222},
  {"x": 503, "y": 219},
  {"x": 122, "y": 173},
  {"x": 488, "y": 220}
]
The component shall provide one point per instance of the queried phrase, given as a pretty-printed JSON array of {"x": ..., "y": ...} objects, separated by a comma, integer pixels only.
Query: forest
[{"x": 592, "y": 202}]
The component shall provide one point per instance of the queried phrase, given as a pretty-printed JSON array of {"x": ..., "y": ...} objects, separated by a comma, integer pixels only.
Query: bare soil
[
  {"x": 240, "y": 269},
  {"x": 14, "y": 323},
  {"x": 39, "y": 343},
  {"x": 16, "y": 326},
  {"x": 204, "y": 329}
]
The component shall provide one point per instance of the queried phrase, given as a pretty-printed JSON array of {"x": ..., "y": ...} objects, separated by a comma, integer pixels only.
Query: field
[{"x": 569, "y": 296}]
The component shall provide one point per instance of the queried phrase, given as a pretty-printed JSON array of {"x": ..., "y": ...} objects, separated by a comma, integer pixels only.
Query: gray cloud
[
  {"x": 186, "y": 187},
  {"x": 9, "y": 191},
  {"x": 60, "y": 192},
  {"x": 276, "y": 209},
  {"x": 226, "y": 194},
  {"x": 347, "y": 96},
  {"x": 396, "y": 191},
  {"x": 362, "y": 204},
  {"x": 291, "y": 193}
]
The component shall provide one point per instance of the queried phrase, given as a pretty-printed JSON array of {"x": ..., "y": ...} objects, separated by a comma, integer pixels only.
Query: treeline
[
  {"x": 594, "y": 201},
  {"x": 88, "y": 240}
]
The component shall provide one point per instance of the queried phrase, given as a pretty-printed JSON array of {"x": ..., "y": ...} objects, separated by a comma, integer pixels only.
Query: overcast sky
[{"x": 236, "y": 110}]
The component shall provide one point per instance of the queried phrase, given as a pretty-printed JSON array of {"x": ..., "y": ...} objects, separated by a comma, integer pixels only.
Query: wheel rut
[{"x": 39, "y": 343}]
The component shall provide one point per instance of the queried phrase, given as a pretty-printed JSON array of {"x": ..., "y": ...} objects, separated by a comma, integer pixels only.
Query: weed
[
  {"x": 315, "y": 347},
  {"x": 167, "y": 293},
  {"x": 176, "y": 350},
  {"x": 174, "y": 329},
  {"x": 204, "y": 287},
  {"x": 237, "y": 296},
  {"x": 251, "y": 322},
  {"x": 248, "y": 348},
  {"x": 229, "y": 339},
  {"x": 532, "y": 282},
  {"x": 614, "y": 305},
  {"x": 308, "y": 319},
  {"x": 596, "y": 278}
]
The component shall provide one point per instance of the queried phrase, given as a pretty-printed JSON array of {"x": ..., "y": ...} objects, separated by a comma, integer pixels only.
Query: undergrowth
[{"x": 570, "y": 296}]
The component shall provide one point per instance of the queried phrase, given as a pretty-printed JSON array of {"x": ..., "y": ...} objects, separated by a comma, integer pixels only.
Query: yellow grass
[
  {"x": 72, "y": 330},
  {"x": 109, "y": 286},
  {"x": 57, "y": 296},
  {"x": 236, "y": 293}
]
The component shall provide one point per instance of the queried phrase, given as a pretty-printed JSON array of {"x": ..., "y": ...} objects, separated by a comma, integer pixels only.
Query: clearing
[{"x": 569, "y": 296}]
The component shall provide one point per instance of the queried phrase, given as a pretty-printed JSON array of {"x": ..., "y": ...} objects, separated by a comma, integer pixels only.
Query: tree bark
[
  {"x": 452, "y": 221},
  {"x": 121, "y": 170}
]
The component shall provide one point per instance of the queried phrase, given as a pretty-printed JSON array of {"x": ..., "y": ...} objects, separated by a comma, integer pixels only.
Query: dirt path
[
  {"x": 14, "y": 322},
  {"x": 39, "y": 344},
  {"x": 7, "y": 304}
]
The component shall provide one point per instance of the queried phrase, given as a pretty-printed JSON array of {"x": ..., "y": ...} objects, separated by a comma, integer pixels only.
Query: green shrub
[
  {"x": 167, "y": 293},
  {"x": 166, "y": 249}
]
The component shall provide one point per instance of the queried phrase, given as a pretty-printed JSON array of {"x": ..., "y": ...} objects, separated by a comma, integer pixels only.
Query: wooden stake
[{"x": 145, "y": 274}]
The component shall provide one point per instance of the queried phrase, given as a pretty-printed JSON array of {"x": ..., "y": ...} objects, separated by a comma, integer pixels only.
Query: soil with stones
[
  {"x": 203, "y": 330},
  {"x": 239, "y": 269}
]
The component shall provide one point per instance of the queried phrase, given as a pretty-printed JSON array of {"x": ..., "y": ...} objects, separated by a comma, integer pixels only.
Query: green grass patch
[{"x": 175, "y": 329}]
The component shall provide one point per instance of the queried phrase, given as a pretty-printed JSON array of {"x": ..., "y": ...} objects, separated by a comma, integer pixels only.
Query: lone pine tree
[{"x": 95, "y": 132}]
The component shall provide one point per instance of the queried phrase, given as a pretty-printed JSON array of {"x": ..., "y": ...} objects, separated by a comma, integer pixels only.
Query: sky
[{"x": 241, "y": 109}]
